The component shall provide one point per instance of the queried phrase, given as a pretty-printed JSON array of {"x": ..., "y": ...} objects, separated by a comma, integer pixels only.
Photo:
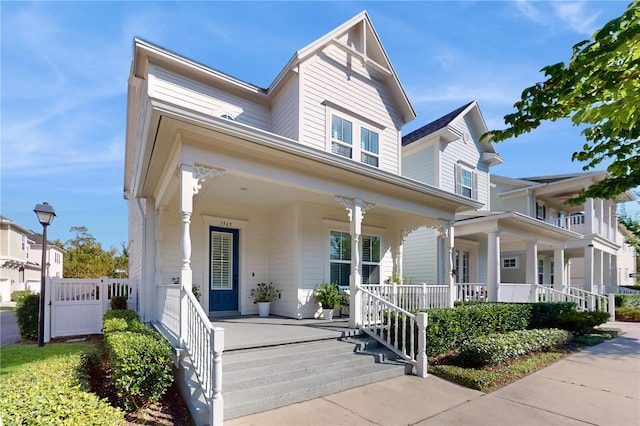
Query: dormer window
[
  {"x": 369, "y": 147},
  {"x": 466, "y": 182},
  {"x": 227, "y": 117},
  {"x": 341, "y": 136}
]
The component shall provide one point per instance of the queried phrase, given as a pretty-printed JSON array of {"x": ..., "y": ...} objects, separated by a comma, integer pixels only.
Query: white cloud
[{"x": 576, "y": 16}]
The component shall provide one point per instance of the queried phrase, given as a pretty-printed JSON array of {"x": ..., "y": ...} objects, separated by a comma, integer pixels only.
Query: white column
[
  {"x": 598, "y": 271},
  {"x": 397, "y": 255},
  {"x": 600, "y": 216},
  {"x": 493, "y": 265},
  {"x": 613, "y": 274},
  {"x": 532, "y": 263},
  {"x": 613, "y": 221},
  {"x": 450, "y": 279},
  {"x": 559, "y": 274},
  {"x": 186, "y": 208},
  {"x": 588, "y": 216},
  {"x": 588, "y": 268},
  {"x": 356, "y": 209}
]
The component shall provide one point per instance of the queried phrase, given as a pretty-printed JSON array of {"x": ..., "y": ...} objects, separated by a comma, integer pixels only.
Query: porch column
[
  {"x": 532, "y": 263},
  {"x": 186, "y": 208},
  {"x": 397, "y": 254},
  {"x": 559, "y": 274},
  {"x": 598, "y": 271},
  {"x": 613, "y": 222},
  {"x": 613, "y": 272},
  {"x": 356, "y": 208},
  {"x": 599, "y": 204},
  {"x": 493, "y": 265},
  {"x": 588, "y": 216},
  {"x": 449, "y": 277},
  {"x": 588, "y": 268}
]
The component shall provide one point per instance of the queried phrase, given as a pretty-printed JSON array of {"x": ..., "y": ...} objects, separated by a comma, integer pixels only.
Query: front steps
[{"x": 255, "y": 380}]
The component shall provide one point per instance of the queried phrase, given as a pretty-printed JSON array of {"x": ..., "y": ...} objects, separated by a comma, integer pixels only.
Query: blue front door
[{"x": 223, "y": 269}]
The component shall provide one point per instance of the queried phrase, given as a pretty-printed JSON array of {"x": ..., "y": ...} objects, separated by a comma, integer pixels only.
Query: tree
[
  {"x": 85, "y": 258},
  {"x": 599, "y": 89}
]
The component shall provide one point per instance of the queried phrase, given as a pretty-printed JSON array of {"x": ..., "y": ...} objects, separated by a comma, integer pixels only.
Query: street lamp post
[{"x": 45, "y": 215}]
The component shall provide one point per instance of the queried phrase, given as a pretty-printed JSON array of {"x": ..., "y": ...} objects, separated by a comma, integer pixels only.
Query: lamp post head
[{"x": 45, "y": 213}]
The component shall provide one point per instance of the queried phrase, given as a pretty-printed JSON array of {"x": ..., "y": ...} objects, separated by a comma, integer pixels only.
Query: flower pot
[
  {"x": 327, "y": 313},
  {"x": 263, "y": 309}
]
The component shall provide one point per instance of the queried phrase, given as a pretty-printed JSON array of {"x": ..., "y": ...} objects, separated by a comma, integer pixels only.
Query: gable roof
[
  {"x": 367, "y": 48},
  {"x": 434, "y": 126}
]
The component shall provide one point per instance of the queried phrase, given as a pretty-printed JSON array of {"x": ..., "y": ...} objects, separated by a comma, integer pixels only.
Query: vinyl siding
[
  {"x": 510, "y": 204},
  {"x": 517, "y": 275},
  {"x": 284, "y": 110},
  {"x": 283, "y": 233},
  {"x": 191, "y": 94},
  {"x": 421, "y": 165},
  {"x": 326, "y": 77},
  {"x": 419, "y": 256},
  {"x": 136, "y": 239}
]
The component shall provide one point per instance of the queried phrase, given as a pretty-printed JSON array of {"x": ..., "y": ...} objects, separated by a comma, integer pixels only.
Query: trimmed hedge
[
  {"x": 580, "y": 322},
  {"x": 628, "y": 314},
  {"x": 19, "y": 294},
  {"x": 141, "y": 359},
  {"x": 628, "y": 301},
  {"x": 496, "y": 348},
  {"x": 27, "y": 314},
  {"x": 54, "y": 391}
]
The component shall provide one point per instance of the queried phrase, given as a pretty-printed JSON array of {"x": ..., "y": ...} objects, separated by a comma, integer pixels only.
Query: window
[
  {"x": 340, "y": 258},
  {"x": 221, "y": 261},
  {"x": 24, "y": 242},
  {"x": 541, "y": 211},
  {"x": 227, "y": 116},
  {"x": 341, "y": 136},
  {"x": 551, "y": 267},
  {"x": 369, "y": 147},
  {"x": 57, "y": 258},
  {"x": 540, "y": 271},
  {"x": 510, "y": 263},
  {"x": 466, "y": 182},
  {"x": 344, "y": 132},
  {"x": 461, "y": 263}
]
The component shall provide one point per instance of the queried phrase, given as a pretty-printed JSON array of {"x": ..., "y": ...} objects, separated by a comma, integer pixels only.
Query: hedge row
[
  {"x": 497, "y": 348},
  {"x": 628, "y": 314},
  {"x": 628, "y": 301},
  {"x": 141, "y": 359},
  {"x": 53, "y": 392},
  {"x": 448, "y": 328}
]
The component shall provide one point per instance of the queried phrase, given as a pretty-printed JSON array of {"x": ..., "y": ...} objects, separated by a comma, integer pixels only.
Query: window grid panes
[
  {"x": 510, "y": 263},
  {"x": 340, "y": 258},
  {"x": 341, "y": 136},
  {"x": 369, "y": 147},
  {"x": 370, "y": 259},
  {"x": 540, "y": 271},
  {"x": 466, "y": 181}
]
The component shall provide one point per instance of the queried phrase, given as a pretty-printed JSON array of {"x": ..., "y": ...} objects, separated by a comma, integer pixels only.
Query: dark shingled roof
[{"x": 433, "y": 126}]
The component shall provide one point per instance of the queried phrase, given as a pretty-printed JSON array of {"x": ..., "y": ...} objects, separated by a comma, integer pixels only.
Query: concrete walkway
[{"x": 598, "y": 386}]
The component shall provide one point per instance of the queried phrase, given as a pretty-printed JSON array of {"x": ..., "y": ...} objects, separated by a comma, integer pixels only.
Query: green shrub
[
  {"x": 580, "y": 322},
  {"x": 27, "y": 313},
  {"x": 141, "y": 358},
  {"x": 118, "y": 303},
  {"x": 628, "y": 314},
  {"x": 53, "y": 391},
  {"x": 497, "y": 348},
  {"x": 19, "y": 294},
  {"x": 544, "y": 314},
  {"x": 141, "y": 366},
  {"x": 628, "y": 301}
]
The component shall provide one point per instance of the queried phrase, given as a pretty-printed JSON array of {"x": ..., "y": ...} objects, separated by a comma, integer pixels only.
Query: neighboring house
[
  {"x": 229, "y": 184},
  {"x": 627, "y": 259},
  {"x": 20, "y": 259},
  {"x": 524, "y": 233}
]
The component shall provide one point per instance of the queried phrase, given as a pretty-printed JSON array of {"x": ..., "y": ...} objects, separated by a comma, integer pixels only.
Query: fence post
[
  {"x": 216, "y": 407},
  {"x": 612, "y": 306},
  {"x": 394, "y": 293},
  {"x": 421, "y": 359}
]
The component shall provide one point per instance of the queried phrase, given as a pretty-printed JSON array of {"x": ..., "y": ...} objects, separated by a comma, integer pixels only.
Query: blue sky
[{"x": 64, "y": 69}]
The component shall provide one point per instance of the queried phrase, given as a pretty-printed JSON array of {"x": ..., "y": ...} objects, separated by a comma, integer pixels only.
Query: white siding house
[{"x": 229, "y": 184}]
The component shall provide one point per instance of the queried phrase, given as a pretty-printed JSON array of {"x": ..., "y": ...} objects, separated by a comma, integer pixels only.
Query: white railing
[
  {"x": 594, "y": 301},
  {"x": 395, "y": 328},
  {"x": 412, "y": 297},
  {"x": 619, "y": 290},
  {"x": 205, "y": 344},
  {"x": 471, "y": 292},
  {"x": 168, "y": 308}
]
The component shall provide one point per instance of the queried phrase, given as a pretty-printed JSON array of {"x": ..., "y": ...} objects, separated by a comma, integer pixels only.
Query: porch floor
[{"x": 251, "y": 331}]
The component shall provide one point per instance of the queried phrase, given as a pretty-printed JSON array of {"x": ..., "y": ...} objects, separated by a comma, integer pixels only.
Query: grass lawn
[
  {"x": 16, "y": 357},
  {"x": 492, "y": 377}
]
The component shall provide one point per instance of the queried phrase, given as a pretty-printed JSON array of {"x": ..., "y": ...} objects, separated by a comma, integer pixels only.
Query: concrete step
[{"x": 264, "y": 379}]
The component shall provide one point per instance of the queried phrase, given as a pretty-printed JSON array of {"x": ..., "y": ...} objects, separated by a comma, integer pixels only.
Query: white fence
[
  {"x": 78, "y": 304},
  {"x": 411, "y": 297}
]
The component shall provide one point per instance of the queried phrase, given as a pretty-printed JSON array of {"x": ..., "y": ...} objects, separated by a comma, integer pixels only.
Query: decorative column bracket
[{"x": 202, "y": 173}]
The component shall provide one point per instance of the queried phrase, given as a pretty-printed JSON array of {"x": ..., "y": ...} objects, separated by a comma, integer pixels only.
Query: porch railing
[
  {"x": 412, "y": 297},
  {"x": 594, "y": 301},
  {"x": 204, "y": 344},
  {"x": 471, "y": 292},
  {"x": 396, "y": 328},
  {"x": 619, "y": 290}
]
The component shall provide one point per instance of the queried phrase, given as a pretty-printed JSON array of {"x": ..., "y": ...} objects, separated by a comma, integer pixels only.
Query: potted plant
[
  {"x": 263, "y": 295},
  {"x": 329, "y": 297}
]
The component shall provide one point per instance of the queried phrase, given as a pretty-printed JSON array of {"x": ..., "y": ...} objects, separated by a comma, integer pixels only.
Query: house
[
  {"x": 229, "y": 184},
  {"x": 524, "y": 233},
  {"x": 20, "y": 259}
]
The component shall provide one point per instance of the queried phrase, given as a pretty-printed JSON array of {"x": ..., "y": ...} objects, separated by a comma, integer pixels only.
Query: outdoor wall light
[{"x": 45, "y": 215}]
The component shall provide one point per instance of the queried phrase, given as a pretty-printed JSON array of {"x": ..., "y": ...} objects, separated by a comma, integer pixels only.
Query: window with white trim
[
  {"x": 510, "y": 263},
  {"x": 340, "y": 258},
  {"x": 466, "y": 182},
  {"x": 343, "y": 133},
  {"x": 540, "y": 271},
  {"x": 541, "y": 211},
  {"x": 24, "y": 242},
  {"x": 462, "y": 265},
  {"x": 551, "y": 272}
]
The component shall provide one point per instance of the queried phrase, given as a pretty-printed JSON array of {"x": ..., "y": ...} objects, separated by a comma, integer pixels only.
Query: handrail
[
  {"x": 205, "y": 344},
  {"x": 412, "y": 297},
  {"x": 597, "y": 302},
  {"x": 377, "y": 317},
  {"x": 549, "y": 294}
]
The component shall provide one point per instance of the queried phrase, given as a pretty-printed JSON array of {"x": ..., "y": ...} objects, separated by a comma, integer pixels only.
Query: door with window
[{"x": 223, "y": 269}]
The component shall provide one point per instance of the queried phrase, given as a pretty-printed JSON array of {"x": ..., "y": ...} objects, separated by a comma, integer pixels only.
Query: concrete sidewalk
[{"x": 600, "y": 385}]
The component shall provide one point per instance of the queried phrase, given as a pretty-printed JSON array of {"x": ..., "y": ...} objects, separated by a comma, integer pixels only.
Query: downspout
[{"x": 143, "y": 267}]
